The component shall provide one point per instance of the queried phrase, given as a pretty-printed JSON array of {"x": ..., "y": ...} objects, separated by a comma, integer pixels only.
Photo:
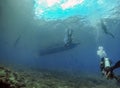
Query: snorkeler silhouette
[
  {"x": 105, "y": 65},
  {"x": 104, "y": 28},
  {"x": 68, "y": 37},
  {"x": 17, "y": 40}
]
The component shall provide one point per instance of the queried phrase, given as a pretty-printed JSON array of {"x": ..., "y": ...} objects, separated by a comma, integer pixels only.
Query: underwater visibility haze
[{"x": 33, "y": 34}]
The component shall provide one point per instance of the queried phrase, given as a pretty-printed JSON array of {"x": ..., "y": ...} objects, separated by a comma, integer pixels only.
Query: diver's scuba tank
[
  {"x": 107, "y": 63},
  {"x": 107, "y": 66},
  {"x": 104, "y": 65}
]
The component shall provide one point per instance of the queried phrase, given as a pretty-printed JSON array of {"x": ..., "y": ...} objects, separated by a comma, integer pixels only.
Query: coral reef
[
  {"x": 32, "y": 78},
  {"x": 52, "y": 79},
  {"x": 10, "y": 79}
]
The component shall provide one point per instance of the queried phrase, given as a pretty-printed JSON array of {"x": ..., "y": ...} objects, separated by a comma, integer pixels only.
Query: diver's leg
[
  {"x": 117, "y": 65},
  {"x": 111, "y": 35}
]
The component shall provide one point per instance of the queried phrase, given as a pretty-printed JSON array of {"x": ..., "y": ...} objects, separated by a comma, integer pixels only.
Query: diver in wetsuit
[
  {"x": 104, "y": 28},
  {"x": 105, "y": 65},
  {"x": 68, "y": 37}
]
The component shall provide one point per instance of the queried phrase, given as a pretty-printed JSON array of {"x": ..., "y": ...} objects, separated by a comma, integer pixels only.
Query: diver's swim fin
[
  {"x": 117, "y": 65},
  {"x": 111, "y": 35}
]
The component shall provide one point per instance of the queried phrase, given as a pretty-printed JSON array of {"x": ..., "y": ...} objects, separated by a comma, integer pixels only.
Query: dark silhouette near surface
[
  {"x": 58, "y": 49},
  {"x": 103, "y": 26},
  {"x": 17, "y": 40}
]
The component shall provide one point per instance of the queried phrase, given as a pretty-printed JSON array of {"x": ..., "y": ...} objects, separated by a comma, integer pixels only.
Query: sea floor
[{"x": 41, "y": 78}]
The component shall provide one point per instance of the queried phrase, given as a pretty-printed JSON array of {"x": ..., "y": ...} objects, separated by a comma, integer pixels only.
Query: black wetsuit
[{"x": 110, "y": 70}]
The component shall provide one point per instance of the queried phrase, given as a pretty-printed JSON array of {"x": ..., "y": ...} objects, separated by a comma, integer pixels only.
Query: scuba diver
[
  {"x": 105, "y": 65},
  {"x": 68, "y": 37},
  {"x": 104, "y": 28}
]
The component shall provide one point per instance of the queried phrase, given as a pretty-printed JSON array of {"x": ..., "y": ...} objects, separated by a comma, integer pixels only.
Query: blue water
[{"x": 23, "y": 38}]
